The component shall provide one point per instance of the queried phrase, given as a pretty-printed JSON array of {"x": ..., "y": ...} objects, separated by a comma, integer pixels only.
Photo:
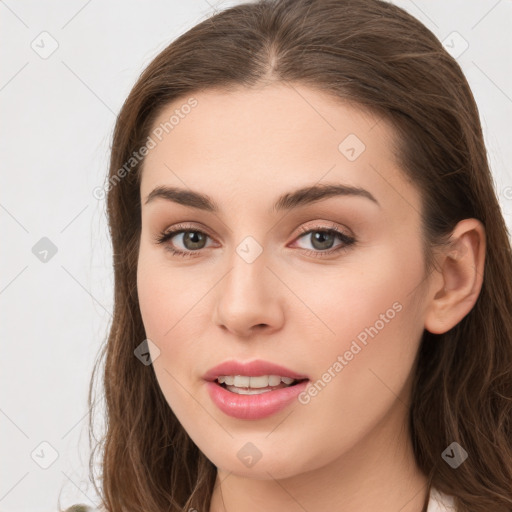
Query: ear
[{"x": 461, "y": 267}]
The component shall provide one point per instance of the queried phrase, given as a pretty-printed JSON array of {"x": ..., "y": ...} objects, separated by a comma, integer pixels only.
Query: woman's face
[{"x": 273, "y": 283}]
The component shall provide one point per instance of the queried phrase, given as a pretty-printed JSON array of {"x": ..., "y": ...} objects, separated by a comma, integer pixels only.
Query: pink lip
[
  {"x": 252, "y": 369},
  {"x": 253, "y": 407}
]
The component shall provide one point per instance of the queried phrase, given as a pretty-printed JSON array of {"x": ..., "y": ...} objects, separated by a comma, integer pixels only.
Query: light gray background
[{"x": 58, "y": 115}]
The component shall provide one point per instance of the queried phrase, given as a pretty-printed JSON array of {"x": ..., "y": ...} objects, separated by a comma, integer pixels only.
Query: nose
[{"x": 248, "y": 299}]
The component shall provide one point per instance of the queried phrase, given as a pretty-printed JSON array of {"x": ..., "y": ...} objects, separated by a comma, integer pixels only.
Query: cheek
[
  {"x": 166, "y": 296},
  {"x": 368, "y": 292},
  {"x": 166, "y": 312},
  {"x": 174, "y": 312},
  {"x": 375, "y": 328},
  {"x": 365, "y": 308},
  {"x": 161, "y": 307},
  {"x": 153, "y": 299}
]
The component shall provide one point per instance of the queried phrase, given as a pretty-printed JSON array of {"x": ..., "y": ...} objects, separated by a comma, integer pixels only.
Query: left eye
[{"x": 323, "y": 239}]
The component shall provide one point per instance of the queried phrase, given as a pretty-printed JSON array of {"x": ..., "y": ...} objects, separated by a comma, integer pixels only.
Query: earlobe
[{"x": 462, "y": 268}]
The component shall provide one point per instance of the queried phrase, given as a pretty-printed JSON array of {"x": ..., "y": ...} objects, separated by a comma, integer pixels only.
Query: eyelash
[{"x": 347, "y": 240}]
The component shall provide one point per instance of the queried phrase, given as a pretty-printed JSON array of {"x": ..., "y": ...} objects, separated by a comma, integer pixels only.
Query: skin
[{"x": 349, "y": 448}]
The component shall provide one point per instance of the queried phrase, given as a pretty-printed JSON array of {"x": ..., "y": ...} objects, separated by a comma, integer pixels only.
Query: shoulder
[{"x": 440, "y": 502}]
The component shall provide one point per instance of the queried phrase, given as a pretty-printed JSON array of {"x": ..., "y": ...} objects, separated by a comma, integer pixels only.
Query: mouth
[
  {"x": 243, "y": 401},
  {"x": 244, "y": 385},
  {"x": 252, "y": 374},
  {"x": 253, "y": 389}
]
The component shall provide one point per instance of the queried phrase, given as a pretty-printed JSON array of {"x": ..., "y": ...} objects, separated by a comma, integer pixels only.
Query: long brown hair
[{"x": 375, "y": 55}]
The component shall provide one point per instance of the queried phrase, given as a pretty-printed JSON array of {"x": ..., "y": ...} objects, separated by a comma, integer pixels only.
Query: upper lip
[{"x": 251, "y": 369}]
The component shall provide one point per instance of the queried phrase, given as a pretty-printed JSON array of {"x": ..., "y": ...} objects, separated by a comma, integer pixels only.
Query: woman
[{"x": 309, "y": 249}]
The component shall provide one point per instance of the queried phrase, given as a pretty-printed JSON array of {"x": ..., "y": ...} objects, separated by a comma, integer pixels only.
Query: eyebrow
[{"x": 294, "y": 199}]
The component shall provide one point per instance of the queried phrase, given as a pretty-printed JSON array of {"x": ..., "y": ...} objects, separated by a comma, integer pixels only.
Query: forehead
[
  {"x": 264, "y": 140},
  {"x": 274, "y": 116}
]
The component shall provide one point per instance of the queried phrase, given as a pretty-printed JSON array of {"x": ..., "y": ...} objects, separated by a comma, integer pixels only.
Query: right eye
[{"x": 192, "y": 240}]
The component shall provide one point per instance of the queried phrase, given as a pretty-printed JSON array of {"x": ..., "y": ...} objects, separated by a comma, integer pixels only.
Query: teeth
[
  {"x": 247, "y": 391},
  {"x": 263, "y": 381}
]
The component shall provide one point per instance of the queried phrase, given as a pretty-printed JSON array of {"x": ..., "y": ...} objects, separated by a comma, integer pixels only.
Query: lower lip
[{"x": 253, "y": 407}]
